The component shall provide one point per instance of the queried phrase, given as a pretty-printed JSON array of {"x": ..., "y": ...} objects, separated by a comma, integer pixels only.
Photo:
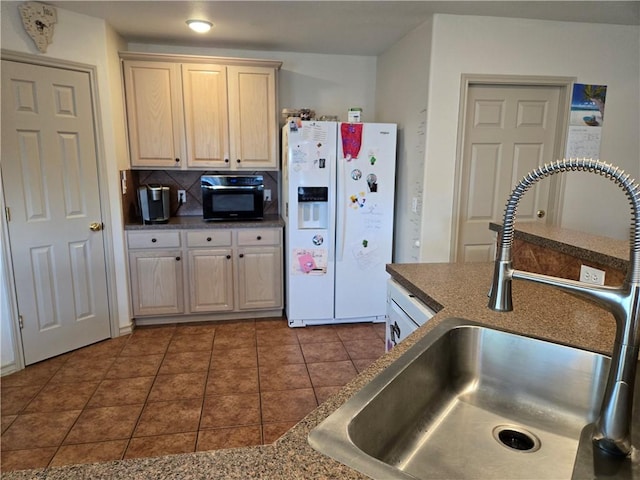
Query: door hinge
[
  {"x": 7, "y": 213},
  {"x": 20, "y": 322}
]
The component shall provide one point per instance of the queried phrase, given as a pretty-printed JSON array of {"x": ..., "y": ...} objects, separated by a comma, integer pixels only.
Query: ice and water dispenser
[{"x": 313, "y": 207}]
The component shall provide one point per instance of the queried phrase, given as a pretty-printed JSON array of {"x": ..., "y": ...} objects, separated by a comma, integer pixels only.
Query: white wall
[
  {"x": 598, "y": 54},
  {"x": 328, "y": 84},
  {"x": 401, "y": 97},
  {"x": 82, "y": 39}
]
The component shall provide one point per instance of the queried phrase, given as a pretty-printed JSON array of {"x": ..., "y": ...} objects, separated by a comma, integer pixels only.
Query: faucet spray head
[{"x": 500, "y": 298}]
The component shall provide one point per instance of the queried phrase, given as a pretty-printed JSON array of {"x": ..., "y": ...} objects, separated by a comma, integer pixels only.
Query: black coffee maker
[{"x": 154, "y": 203}]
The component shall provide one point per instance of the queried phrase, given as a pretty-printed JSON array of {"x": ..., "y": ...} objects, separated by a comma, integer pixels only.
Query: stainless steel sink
[{"x": 470, "y": 402}]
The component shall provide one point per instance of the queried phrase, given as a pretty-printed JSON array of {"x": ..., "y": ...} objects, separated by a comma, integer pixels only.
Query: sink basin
[{"x": 467, "y": 401}]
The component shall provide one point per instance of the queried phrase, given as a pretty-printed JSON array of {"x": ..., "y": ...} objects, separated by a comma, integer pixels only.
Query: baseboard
[
  {"x": 8, "y": 369},
  {"x": 125, "y": 330},
  {"x": 143, "y": 321}
]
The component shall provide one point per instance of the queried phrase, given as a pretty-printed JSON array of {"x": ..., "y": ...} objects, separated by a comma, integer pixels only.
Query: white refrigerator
[{"x": 338, "y": 201}]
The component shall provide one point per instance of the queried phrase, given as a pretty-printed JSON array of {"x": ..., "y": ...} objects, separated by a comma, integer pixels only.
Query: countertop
[
  {"x": 454, "y": 291},
  {"x": 197, "y": 222}
]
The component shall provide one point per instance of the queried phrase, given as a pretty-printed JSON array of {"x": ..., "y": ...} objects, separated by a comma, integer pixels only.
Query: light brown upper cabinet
[
  {"x": 206, "y": 118},
  {"x": 184, "y": 113},
  {"x": 252, "y": 106},
  {"x": 153, "y": 92}
]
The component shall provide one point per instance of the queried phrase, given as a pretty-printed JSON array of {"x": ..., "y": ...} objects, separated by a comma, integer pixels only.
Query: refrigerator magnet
[
  {"x": 356, "y": 174},
  {"x": 372, "y": 182},
  {"x": 307, "y": 263},
  {"x": 357, "y": 201}
]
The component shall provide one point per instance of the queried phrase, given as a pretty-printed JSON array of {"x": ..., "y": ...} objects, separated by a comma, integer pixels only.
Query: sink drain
[{"x": 516, "y": 438}]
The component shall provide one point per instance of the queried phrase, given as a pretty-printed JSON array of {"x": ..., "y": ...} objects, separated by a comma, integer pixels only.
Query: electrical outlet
[
  {"x": 591, "y": 275},
  {"x": 182, "y": 197},
  {"x": 267, "y": 195}
]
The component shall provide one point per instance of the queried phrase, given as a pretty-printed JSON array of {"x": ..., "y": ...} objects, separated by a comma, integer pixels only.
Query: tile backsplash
[{"x": 183, "y": 180}]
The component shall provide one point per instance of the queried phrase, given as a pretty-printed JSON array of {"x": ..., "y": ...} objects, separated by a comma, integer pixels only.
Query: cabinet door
[
  {"x": 259, "y": 277},
  {"x": 206, "y": 120},
  {"x": 210, "y": 280},
  {"x": 252, "y": 118},
  {"x": 154, "y": 113},
  {"x": 156, "y": 282}
]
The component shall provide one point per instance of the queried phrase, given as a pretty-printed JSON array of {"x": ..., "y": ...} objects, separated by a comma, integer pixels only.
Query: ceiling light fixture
[{"x": 200, "y": 26}]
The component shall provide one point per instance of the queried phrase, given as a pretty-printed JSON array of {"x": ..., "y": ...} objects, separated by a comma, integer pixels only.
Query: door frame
[
  {"x": 103, "y": 193},
  {"x": 557, "y": 182}
]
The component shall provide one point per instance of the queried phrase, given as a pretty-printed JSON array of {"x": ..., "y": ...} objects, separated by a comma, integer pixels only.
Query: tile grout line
[
  {"x": 255, "y": 332},
  {"x": 146, "y": 400},
  {"x": 204, "y": 392}
]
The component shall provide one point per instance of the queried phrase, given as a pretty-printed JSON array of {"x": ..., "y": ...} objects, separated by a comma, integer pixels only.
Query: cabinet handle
[
  {"x": 228, "y": 257},
  {"x": 226, "y": 160},
  {"x": 178, "y": 259},
  {"x": 258, "y": 237},
  {"x": 177, "y": 160},
  {"x": 238, "y": 160},
  {"x": 241, "y": 255},
  {"x": 154, "y": 240},
  {"x": 208, "y": 239}
]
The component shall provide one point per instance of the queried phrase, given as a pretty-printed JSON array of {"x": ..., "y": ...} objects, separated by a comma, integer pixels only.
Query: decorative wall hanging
[{"x": 38, "y": 20}]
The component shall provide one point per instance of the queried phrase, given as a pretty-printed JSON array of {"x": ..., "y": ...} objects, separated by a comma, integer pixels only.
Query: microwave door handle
[{"x": 232, "y": 187}]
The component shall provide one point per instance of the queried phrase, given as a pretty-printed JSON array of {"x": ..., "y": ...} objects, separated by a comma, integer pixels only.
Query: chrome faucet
[{"x": 612, "y": 431}]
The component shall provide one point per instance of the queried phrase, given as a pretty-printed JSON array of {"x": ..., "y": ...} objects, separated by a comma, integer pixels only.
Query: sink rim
[{"x": 336, "y": 426}]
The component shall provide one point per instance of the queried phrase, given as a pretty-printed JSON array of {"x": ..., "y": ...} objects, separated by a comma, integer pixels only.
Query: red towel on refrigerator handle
[{"x": 351, "y": 139}]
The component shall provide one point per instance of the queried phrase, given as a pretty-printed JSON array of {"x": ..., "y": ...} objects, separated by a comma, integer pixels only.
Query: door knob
[
  {"x": 95, "y": 226},
  {"x": 541, "y": 213}
]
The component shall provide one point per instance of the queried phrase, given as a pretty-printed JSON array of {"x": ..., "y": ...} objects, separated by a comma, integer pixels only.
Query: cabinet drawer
[
  {"x": 209, "y": 238},
  {"x": 256, "y": 236},
  {"x": 153, "y": 239}
]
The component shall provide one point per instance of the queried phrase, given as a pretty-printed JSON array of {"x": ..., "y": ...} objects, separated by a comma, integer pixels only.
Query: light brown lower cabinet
[{"x": 221, "y": 272}]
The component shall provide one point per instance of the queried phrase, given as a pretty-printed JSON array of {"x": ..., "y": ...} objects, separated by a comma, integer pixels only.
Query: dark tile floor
[{"x": 177, "y": 388}]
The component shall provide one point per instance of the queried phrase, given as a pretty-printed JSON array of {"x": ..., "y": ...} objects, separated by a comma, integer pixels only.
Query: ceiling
[{"x": 316, "y": 26}]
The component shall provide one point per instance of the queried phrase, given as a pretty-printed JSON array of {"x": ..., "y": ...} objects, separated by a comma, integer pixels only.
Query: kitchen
[{"x": 425, "y": 110}]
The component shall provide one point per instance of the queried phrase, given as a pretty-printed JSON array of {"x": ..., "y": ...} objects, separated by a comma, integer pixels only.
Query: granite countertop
[
  {"x": 197, "y": 222},
  {"x": 453, "y": 291}
]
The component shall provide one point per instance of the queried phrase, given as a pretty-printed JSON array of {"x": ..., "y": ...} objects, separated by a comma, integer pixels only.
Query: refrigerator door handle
[
  {"x": 340, "y": 234},
  {"x": 341, "y": 214}
]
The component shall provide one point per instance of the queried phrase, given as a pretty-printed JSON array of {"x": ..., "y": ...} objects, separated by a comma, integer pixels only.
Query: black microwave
[{"x": 232, "y": 197}]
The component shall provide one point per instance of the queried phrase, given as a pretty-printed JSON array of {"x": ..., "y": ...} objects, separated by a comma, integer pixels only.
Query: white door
[
  {"x": 509, "y": 131},
  {"x": 50, "y": 179}
]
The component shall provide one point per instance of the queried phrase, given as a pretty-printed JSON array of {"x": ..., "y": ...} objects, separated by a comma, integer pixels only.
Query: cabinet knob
[
  {"x": 241, "y": 255},
  {"x": 258, "y": 237},
  {"x": 177, "y": 160},
  {"x": 154, "y": 240},
  {"x": 177, "y": 259},
  {"x": 238, "y": 160},
  {"x": 208, "y": 239},
  {"x": 226, "y": 160},
  {"x": 228, "y": 257}
]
